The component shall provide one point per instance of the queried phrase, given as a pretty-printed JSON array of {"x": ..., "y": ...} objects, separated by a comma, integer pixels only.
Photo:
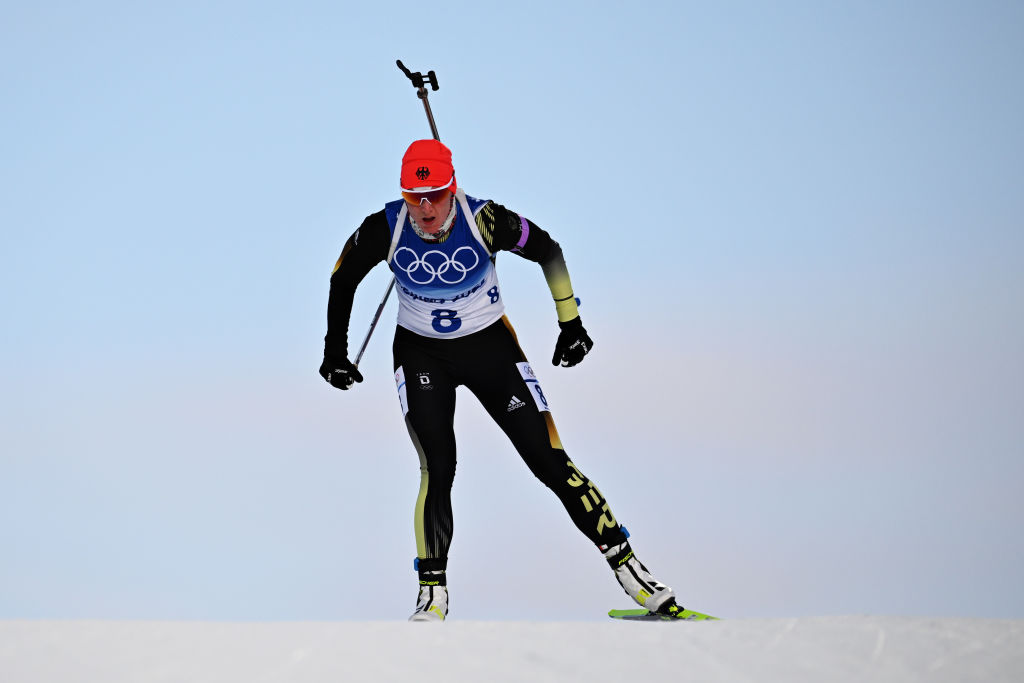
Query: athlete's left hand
[{"x": 573, "y": 343}]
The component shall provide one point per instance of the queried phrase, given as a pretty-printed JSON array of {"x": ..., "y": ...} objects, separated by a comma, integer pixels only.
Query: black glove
[
  {"x": 573, "y": 343},
  {"x": 339, "y": 372}
]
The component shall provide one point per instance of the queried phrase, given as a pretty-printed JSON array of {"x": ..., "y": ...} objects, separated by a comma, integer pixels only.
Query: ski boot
[
  {"x": 637, "y": 581},
  {"x": 432, "y": 602}
]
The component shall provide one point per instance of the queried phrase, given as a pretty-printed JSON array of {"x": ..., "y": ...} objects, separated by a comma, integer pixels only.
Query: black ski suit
[{"x": 490, "y": 363}]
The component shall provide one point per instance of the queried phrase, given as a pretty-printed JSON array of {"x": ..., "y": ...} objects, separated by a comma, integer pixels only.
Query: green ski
[{"x": 647, "y": 615}]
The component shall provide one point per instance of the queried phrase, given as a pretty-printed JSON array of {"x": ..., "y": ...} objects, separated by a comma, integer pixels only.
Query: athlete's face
[{"x": 428, "y": 216}]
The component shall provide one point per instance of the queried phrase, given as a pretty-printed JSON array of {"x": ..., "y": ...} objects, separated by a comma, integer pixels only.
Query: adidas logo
[{"x": 514, "y": 403}]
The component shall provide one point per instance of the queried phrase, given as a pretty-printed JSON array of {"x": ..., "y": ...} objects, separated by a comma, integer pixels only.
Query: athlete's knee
[
  {"x": 441, "y": 474},
  {"x": 555, "y": 470},
  {"x": 438, "y": 468},
  {"x": 434, "y": 444}
]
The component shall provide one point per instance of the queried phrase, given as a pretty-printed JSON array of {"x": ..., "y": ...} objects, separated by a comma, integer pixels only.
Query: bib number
[{"x": 445, "y": 320}]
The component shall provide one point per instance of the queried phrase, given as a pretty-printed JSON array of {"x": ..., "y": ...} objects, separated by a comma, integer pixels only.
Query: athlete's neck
[{"x": 441, "y": 233}]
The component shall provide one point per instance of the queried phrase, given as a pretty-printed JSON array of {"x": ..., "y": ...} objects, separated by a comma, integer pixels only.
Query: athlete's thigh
[
  {"x": 426, "y": 392},
  {"x": 504, "y": 382}
]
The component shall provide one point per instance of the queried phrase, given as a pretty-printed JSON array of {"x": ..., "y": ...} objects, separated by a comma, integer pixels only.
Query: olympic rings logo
[{"x": 436, "y": 264}]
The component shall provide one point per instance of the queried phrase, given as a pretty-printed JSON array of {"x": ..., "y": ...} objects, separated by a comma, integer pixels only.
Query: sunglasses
[{"x": 434, "y": 195}]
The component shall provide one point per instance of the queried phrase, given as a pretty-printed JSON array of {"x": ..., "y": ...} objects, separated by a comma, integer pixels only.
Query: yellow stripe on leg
[
  {"x": 556, "y": 442},
  {"x": 421, "y": 498},
  {"x": 421, "y": 504}
]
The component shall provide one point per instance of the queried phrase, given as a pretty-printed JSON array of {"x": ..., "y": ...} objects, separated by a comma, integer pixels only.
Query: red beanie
[{"x": 427, "y": 163}]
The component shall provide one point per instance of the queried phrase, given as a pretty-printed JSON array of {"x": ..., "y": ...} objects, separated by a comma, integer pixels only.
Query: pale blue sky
[{"x": 796, "y": 229}]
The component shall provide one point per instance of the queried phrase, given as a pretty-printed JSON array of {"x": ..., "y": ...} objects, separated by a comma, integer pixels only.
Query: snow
[{"x": 810, "y": 649}]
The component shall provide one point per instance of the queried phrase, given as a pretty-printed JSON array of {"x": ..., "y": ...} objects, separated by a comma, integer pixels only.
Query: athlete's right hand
[{"x": 339, "y": 372}]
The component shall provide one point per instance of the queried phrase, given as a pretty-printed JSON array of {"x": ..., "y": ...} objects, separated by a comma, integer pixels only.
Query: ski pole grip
[
  {"x": 418, "y": 79},
  {"x": 412, "y": 77}
]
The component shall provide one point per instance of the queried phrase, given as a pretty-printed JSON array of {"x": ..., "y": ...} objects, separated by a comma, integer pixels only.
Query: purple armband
[{"x": 525, "y": 235}]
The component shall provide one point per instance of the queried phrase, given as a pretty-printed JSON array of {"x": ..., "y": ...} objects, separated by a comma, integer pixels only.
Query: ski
[{"x": 647, "y": 615}]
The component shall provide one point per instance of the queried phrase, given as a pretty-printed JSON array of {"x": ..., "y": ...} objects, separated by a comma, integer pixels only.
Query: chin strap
[{"x": 440, "y": 234}]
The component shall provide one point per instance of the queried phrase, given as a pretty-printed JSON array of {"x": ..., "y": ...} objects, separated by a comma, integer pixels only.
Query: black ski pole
[{"x": 419, "y": 81}]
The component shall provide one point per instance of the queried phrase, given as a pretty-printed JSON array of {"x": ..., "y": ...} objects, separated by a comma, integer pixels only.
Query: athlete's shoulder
[
  {"x": 476, "y": 205},
  {"x": 391, "y": 211},
  {"x": 375, "y": 222},
  {"x": 365, "y": 247},
  {"x": 501, "y": 227},
  {"x": 373, "y": 235}
]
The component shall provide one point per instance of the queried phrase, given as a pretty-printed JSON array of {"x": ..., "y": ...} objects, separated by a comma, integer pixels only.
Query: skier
[{"x": 440, "y": 244}]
